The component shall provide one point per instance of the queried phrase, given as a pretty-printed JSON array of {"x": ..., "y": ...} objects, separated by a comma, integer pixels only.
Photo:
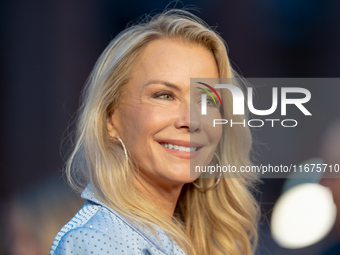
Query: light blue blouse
[{"x": 97, "y": 230}]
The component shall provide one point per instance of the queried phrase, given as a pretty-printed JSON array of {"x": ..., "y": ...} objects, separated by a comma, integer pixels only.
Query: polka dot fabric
[{"x": 97, "y": 230}]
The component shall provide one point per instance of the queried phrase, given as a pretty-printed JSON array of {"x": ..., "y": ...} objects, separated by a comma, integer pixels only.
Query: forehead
[{"x": 175, "y": 61}]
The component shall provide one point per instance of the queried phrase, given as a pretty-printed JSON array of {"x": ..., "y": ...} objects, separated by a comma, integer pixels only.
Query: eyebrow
[{"x": 168, "y": 84}]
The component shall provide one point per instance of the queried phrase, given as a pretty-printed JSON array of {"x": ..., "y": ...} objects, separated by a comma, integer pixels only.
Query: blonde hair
[{"x": 219, "y": 221}]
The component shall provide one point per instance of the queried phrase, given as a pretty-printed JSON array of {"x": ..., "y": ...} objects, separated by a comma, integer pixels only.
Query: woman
[{"x": 137, "y": 132}]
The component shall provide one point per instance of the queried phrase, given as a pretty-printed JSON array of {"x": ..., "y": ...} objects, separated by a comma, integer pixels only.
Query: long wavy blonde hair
[{"x": 219, "y": 221}]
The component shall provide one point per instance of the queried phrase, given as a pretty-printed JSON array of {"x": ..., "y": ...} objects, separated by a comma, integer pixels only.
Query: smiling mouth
[{"x": 179, "y": 148}]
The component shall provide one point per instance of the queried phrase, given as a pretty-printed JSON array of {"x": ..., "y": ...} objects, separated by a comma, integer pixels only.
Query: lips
[
  {"x": 181, "y": 149},
  {"x": 177, "y": 147}
]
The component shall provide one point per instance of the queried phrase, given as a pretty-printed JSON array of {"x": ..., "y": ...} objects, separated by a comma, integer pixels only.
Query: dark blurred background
[{"x": 49, "y": 47}]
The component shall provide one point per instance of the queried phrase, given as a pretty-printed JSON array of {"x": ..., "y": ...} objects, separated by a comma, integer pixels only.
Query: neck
[{"x": 164, "y": 195}]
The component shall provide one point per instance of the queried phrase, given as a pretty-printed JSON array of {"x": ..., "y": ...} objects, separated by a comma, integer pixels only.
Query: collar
[{"x": 162, "y": 242}]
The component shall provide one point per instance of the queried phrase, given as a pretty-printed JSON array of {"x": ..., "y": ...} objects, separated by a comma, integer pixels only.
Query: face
[{"x": 160, "y": 126}]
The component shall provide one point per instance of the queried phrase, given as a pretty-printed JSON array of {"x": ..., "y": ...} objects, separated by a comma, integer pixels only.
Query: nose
[{"x": 188, "y": 118}]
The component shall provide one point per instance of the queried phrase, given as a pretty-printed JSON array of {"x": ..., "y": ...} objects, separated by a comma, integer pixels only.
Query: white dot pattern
[{"x": 97, "y": 230}]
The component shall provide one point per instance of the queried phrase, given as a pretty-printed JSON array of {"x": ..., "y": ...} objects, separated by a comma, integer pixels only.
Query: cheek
[
  {"x": 214, "y": 133},
  {"x": 140, "y": 122}
]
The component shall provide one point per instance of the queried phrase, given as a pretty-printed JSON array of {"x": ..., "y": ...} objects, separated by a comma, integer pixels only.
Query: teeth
[{"x": 179, "y": 148}]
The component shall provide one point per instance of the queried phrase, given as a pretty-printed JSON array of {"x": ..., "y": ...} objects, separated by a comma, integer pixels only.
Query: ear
[{"x": 110, "y": 125}]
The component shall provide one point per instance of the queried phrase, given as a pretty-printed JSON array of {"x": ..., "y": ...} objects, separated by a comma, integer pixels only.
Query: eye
[
  {"x": 164, "y": 95},
  {"x": 210, "y": 102}
]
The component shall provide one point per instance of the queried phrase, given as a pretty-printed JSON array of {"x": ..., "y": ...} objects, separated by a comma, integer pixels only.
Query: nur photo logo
[{"x": 239, "y": 103}]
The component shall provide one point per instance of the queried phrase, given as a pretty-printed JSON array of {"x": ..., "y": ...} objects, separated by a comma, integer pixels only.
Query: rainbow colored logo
[{"x": 212, "y": 89}]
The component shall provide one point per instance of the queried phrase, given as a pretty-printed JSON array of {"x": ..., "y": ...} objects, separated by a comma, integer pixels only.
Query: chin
[{"x": 182, "y": 178}]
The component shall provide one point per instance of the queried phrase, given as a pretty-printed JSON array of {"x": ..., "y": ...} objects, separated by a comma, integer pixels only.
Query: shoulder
[
  {"x": 82, "y": 240},
  {"x": 97, "y": 230}
]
